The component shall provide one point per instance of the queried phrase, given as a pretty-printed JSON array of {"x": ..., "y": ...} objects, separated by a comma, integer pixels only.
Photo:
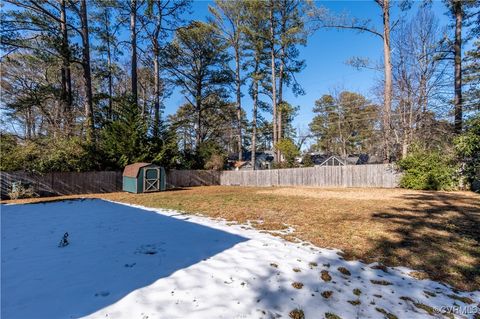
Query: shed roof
[{"x": 133, "y": 169}]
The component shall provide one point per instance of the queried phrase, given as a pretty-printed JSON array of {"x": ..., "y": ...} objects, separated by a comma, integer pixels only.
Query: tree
[
  {"x": 322, "y": 18},
  {"x": 41, "y": 29},
  {"x": 160, "y": 19},
  {"x": 133, "y": 49},
  {"x": 124, "y": 140},
  {"x": 255, "y": 28},
  {"x": 418, "y": 77},
  {"x": 87, "y": 72},
  {"x": 472, "y": 78},
  {"x": 227, "y": 19},
  {"x": 196, "y": 59},
  {"x": 273, "y": 56},
  {"x": 289, "y": 151},
  {"x": 66, "y": 92},
  {"x": 217, "y": 122},
  {"x": 292, "y": 33},
  {"x": 467, "y": 146},
  {"x": 106, "y": 31},
  {"x": 459, "y": 11},
  {"x": 29, "y": 90},
  {"x": 344, "y": 124}
]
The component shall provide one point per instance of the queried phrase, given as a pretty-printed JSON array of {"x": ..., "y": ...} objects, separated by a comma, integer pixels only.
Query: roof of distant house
[{"x": 239, "y": 164}]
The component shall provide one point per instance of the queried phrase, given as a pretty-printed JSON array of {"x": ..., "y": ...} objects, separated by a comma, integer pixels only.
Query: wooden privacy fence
[
  {"x": 381, "y": 175},
  {"x": 66, "y": 183},
  {"x": 70, "y": 183},
  {"x": 186, "y": 178},
  {"x": 375, "y": 175}
]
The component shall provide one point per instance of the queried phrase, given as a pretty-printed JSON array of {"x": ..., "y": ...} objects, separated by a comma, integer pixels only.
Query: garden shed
[{"x": 143, "y": 178}]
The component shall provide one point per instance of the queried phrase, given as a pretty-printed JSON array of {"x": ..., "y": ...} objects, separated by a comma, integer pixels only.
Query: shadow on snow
[{"x": 114, "y": 249}]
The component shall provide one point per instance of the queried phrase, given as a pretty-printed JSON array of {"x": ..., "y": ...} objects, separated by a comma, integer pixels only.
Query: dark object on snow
[{"x": 64, "y": 242}]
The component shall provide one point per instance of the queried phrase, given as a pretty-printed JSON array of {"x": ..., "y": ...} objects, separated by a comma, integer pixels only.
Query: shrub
[
  {"x": 467, "y": 146},
  {"x": 43, "y": 155},
  {"x": 216, "y": 162},
  {"x": 289, "y": 151},
  {"x": 20, "y": 190},
  {"x": 308, "y": 161},
  {"x": 429, "y": 170}
]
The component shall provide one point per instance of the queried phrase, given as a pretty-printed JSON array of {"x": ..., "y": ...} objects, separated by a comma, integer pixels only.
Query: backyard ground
[
  {"x": 92, "y": 258},
  {"x": 436, "y": 233}
]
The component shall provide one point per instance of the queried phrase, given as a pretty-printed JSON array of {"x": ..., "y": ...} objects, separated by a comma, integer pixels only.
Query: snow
[{"x": 126, "y": 261}]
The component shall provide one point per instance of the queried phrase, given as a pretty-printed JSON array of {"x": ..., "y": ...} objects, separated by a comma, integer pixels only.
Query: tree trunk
[
  {"x": 239, "y": 101},
  {"x": 109, "y": 66},
  {"x": 274, "y": 80},
  {"x": 156, "y": 80},
  {"x": 87, "y": 76},
  {"x": 280, "y": 99},
  {"x": 254, "y": 120},
  {"x": 198, "y": 109},
  {"x": 457, "y": 7},
  {"x": 388, "y": 81},
  {"x": 156, "y": 67},
  {"x": 133, "y": 43},
  {"x": 281, "y": 76},
  {"x": 66, "y": 91}
]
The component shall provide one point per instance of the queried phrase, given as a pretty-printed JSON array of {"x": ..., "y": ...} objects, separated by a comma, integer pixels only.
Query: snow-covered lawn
[{"x": 133, "y": 262}]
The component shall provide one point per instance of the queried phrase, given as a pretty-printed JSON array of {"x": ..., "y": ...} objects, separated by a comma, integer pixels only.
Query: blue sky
[{"x": 325, "y": 55}]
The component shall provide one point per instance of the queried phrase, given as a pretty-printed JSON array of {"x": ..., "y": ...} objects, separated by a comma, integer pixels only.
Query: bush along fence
[{"x": 381, "y": 175}]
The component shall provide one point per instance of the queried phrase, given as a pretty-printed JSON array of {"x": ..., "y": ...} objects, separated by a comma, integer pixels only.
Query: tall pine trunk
[
  {"x": 156, "y": 69},
  {"x": 274, "y": 79},
  {"x": 87, "y": 76},
  {"x": 109, "y": 66},
  {"x": 133, "y": 44},
  {"x": 156, "y": 83},
  {"x": 66, "y": 91},
  {"x": 239, "y": 102},
  {"x": 457, "y": 9},
  {"x": 388, "y": 81},
  {"x": 283, "y": 32},
  {"x": 198, "y": 109},
  {"x": 280, "y": 99},
  {"x": 255, "y": 106}
]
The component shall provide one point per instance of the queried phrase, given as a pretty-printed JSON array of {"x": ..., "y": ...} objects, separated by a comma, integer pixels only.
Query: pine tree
[
  {"x": 228, "y": 20},
  {"x": 124, "y": 140},
  {"x": 197, "y": 61},
  {"x": 256, "y": 30},
  {"x": 343, "y": 124}
]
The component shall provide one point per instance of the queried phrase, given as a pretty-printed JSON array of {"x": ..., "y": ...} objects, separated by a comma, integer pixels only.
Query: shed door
[{"x": 151, "y": 179}]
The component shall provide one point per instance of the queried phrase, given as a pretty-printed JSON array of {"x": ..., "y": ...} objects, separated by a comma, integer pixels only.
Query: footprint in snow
[
  {"x": 102, "y": 294},
  {"x": 147, "y": 249}
]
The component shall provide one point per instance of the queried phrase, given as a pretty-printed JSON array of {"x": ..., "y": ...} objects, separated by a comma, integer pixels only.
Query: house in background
[
  {"x": 335, "y": 160},
  {"x": 263, "y": 160}
]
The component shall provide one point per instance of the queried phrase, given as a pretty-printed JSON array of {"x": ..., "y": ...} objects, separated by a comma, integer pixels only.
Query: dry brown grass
[{"x": 437, "y": 232}]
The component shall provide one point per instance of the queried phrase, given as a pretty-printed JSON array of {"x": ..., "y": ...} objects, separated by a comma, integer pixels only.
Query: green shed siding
[
  {"x": 130, "y": 184},
  {"x": 163, "y": 179},
  {"x": 137, "y": 184},
  {"x": 140, "y": 181}
]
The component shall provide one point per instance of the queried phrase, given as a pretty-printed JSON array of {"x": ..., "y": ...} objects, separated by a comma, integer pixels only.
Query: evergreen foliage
[
  {"x": 429, "y": 170},
  {"x": 467, "y": 146},
  {"x": 124, "y": 140}
]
